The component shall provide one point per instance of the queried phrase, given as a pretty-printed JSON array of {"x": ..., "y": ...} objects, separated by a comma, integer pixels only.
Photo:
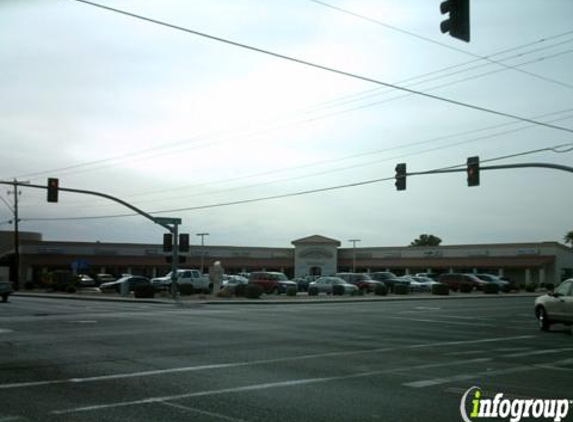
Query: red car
[
  {"x": 271, "y": 282},
  {"x": 453, "y": 280}
]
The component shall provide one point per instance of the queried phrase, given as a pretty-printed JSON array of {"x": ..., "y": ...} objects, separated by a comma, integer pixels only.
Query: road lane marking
[
  {"x": 465, "y": 377},
  {"x": 476, "y": 324},
  {"x": 256, "y": 387},
  {"x": 252, "y": 363},
  {"x": 202, "y": 412},
  {"x": 467, "y": 352},
  {"x": 538, "y": 352}
]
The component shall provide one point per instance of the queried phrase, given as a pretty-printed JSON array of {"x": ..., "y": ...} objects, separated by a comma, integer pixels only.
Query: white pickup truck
[{"x": 184, "y": 276}]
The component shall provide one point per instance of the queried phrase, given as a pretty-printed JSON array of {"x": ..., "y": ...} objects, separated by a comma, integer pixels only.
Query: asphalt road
[{"x": 68, "y": 360}]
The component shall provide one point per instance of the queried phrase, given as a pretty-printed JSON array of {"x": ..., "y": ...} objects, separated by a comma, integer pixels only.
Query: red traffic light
[
  {"x": 53, "y": 189},
  {"x": 473, "y": 171}
]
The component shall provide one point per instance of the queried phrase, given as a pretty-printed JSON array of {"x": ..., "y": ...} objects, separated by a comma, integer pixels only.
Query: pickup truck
[
  {"x": 5, "y": 290},
  {"x": 184, "y": 276}
]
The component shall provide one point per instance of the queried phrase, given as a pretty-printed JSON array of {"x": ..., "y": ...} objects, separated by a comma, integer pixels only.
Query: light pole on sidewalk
[
  {"x": 354, "y": 253},
  {"x": 202, "y": 248}
]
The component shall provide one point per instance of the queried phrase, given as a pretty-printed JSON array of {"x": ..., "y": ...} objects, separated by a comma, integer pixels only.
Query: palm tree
[
  {"x": 426, "y": 240},
  {"x": 568, "y": 238}
]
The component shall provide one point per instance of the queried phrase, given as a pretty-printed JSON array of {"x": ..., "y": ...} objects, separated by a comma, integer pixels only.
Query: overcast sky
[{"x": 168, "y": 120}]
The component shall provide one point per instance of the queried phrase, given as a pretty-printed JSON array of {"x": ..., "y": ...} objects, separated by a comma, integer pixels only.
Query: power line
[
  {"x": 430, "y": 40},
  {"x": 322, "y": 67},
  {"x": 455, "y": 135},
  {"x": 561, "y": 148},
  {"x": 360, "y": 165},
  {"x": 129, "y": 157}
]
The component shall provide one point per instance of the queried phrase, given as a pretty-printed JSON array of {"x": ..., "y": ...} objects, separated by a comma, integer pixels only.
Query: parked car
[
  {"x": 425, "y": 283},
  {"x": 432, "y": 276},
  {"x": 388, "y": 278},
  {"x": 271, "y": 282},
  {"x": 453, "y": 280},
  {"x": 85, "y": 280},
  {"x": 230, "y": 279},
  {"x": 115, "y": 286},
  {"x": 5, "y": 290},
  {"x": 104, "y": 278},
  {"x": 184, "y": 276},
  {"x": 556, "y": 306},
  {"x": 303, "y": 283},
  {"x": 503, "y": 285},
  {"x": 411, "y": 282},
  {"x": 326, "y": 285},
  {"x": 361, "y": 280}
]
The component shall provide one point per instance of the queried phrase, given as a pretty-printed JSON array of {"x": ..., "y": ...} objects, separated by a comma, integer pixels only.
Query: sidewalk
[{"x": 301, "y": 298}]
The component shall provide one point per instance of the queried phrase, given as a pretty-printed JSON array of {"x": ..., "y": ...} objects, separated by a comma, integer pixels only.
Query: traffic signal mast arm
[
  {"x": 498, "y": 167},
  {"x": 101, "y": 195}
]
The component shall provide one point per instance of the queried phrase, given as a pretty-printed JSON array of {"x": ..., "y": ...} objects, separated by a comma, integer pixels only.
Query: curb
[{"x": 234, "y": 301}]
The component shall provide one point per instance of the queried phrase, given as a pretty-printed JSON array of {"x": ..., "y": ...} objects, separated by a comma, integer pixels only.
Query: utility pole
[
  {"x": 202, "y": 248},
  {"x": 16, "y": 193},
  {"x": 354, "y": 253}
]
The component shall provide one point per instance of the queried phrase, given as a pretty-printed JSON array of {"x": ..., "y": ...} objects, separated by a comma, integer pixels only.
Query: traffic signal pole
[{"x": 170, "y": 224}]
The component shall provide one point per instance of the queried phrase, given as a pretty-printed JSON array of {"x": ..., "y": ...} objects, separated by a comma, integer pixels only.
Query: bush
[
  {"x": 313, "y": 291},
  {"x": 253, "y": 291},
  {"x": 549, "y": 286},
  {"x": 186, "y": 289},
  {"x": 144, "y": 291},
  {"x": 225, "y": 292},
  {"x": 401, "y": 289},
  {"x": 380, "y": 290},
  {"x": 70, "y": 288},
  {"x": 240, "y": 290},
  {"x": 29, "y": 285},
  {"x": 291, "y": 291},
  {"x": 530, "y": 287},
  {"x": 440, "y": 289},
  {"x": 466, "y": 287},
  {"x": 491, "y": 288},
  {"x": 338, "y": 290}
]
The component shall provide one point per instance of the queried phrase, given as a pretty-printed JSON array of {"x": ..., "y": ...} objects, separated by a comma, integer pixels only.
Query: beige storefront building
[{"x": 315, "y": 255}]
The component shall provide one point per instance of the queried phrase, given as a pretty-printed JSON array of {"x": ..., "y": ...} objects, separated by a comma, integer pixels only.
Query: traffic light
[
  {"x": 167, "y": 242},
  {"x": 53, "y": 185},
  {"x": 473, "y": 171},
  {"x": 184, "y": 242},
  {"x": 458, "y": 22},
  {"x": 400, "y": 176}
]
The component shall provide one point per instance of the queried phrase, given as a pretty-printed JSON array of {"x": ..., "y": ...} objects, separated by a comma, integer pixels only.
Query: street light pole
[
  {"x": 354, "y": 253},
  {"x": 202, "y": 248}
]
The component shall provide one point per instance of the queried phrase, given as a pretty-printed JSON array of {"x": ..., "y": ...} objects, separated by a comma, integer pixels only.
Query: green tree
[
  {"x": 568, "y": 238},
  {"x": 426, "y": 240}
]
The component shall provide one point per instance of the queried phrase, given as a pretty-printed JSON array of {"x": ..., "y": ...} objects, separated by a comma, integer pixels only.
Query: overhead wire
[
  {"x": 133, "y": 155},
  {"x": 433, "y": 41},
  {"x": 560, "y": 148},
  {"x": 322, "y": 67},
  {"x": 351, "y": 167},
  {"x": 455, "y": 135}
]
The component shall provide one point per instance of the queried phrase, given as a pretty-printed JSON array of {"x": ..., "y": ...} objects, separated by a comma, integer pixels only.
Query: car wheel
[
  {"x": 5, "y": 297},
  {"x": 543, "y": 319}
]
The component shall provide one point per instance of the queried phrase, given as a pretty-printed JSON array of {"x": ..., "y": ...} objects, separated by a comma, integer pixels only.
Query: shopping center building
[{"x": 539, "y": 262}]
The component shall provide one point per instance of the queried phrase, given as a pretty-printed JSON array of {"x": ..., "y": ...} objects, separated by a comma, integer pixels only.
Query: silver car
[
  {"x": 326, "y": 285},
  {"x": 556, "y": 306}
]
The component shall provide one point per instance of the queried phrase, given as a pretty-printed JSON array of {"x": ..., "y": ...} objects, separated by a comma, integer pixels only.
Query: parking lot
[{"x": 384, "y": 360}]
